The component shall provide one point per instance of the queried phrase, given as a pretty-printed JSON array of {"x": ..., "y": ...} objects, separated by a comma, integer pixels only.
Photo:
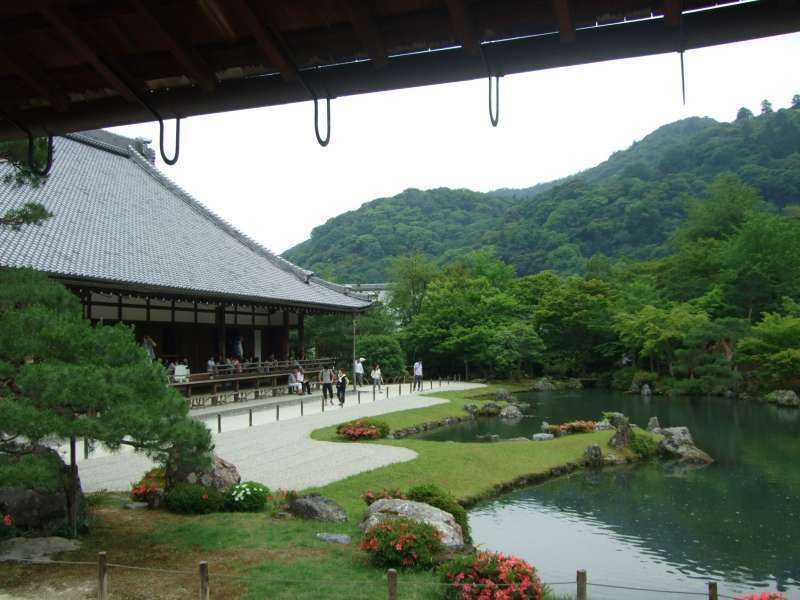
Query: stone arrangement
[{"x": 389, "y": 509}]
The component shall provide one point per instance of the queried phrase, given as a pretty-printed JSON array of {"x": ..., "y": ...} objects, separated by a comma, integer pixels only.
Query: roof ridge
[
  {"x": 302, "y": 274},
  {"x": 81, "y": 138}
]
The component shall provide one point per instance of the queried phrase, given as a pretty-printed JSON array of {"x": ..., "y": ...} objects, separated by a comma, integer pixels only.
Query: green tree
[
  {"x": 15, "y": 154},
  {"x": 796, "y": 101},
  {"x": 766, "y": 107},
  {"x": 384, "y": 350},
  {"x": 410, "y": 276},
  {"x": 772, "y": 350},
  {"x": 63, "y": 378},
  {"x": 744, "y": 114}
]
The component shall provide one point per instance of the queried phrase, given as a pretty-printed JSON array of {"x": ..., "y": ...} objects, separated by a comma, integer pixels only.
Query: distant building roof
[{"x": 119, "y": 220}]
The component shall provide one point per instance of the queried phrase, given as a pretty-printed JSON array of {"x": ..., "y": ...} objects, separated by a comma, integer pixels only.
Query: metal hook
[
  {"x": 31, "y": 163},
  {"x": 174, "y": 159},
  {"x": 322, "y": 142},
  {"x": 494, "y": 115}
]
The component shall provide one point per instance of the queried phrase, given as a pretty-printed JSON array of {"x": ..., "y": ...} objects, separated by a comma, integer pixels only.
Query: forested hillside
[{"x": 627, "y": 207}]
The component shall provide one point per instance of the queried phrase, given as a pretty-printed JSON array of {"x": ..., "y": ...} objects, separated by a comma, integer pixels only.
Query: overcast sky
[{"x": 263, "y": 171}]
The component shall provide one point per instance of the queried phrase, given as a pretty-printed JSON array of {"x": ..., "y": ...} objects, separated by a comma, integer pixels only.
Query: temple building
[{"x": 138, "y": 249}]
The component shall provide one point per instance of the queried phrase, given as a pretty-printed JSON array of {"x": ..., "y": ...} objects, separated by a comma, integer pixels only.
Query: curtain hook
[
  {"x": 494, "y": 113},
  {"x": 322, "y": 142},
  {"x": 31, "y": 162},
  {"x": 174, "y": 159}
]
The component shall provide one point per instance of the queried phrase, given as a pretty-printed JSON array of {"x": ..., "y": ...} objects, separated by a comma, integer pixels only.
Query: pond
[{"x": 658, "y": 525}]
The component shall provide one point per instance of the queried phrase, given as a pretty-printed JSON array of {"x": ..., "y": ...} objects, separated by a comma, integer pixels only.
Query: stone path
[{"x": 281, "y": 454}]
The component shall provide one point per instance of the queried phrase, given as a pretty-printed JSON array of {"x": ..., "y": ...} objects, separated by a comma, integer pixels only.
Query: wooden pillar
[
  {"x": 285, "y": 336},
  {"x": 220, "y": 324},
  {"x": 301, "y": 336}
]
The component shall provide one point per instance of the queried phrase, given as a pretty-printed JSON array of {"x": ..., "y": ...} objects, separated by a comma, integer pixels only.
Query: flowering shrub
[
  {"x": 152, "y": 481},
  {"x": 248, "y": 496},
  {"x": 7, "y": 529},
  {"x": 490, "y": 576},
  {"x": 193, "y": 499},
  {"x": 363, "y": 429},
  {"x": 571, "y": 427},
  {"x": 279, "y": 500},
  {"x": 763, "y": 596},
  {"x": 402, "y": 543},
  {"x": 370, "y": 496}
]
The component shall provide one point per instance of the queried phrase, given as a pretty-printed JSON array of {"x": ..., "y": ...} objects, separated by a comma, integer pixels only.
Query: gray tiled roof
[{"x": 119, "y": 219}]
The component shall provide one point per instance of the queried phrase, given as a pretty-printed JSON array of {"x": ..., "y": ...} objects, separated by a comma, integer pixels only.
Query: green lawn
[{"x": 255, "y": 556}]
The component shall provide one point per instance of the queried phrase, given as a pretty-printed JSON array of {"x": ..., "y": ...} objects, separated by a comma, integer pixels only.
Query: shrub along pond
[{"x": 657, "y": 525}]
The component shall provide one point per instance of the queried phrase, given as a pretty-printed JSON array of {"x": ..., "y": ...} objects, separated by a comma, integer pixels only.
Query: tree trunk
[
  {"x": 72, "y": 498},
  {"x": 466, "y": 371}
]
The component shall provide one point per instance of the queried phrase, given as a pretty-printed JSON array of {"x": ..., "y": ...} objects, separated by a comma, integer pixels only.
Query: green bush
[
  {"x": 436, "y": 496},
  {"x": 248, "y": 496},
  {"x": 648, "y": 377},
  {"x": 643, "y": 444},
  {"x": 384, "y": 350},
  {"x": 623, "y": 378},
  {"x": 363, "y": 429},
  {"x": 193, "y": 499},
  {"x": 402, "y": 543}
]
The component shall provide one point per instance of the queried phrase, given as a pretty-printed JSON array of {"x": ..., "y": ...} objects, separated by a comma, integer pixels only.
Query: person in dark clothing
[
  {"x": 341, "y": 386},
  {"x": 326, "y": 376}
]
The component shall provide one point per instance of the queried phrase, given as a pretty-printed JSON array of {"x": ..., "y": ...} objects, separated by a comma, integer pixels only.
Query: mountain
[{"x": 627, "y": 206}]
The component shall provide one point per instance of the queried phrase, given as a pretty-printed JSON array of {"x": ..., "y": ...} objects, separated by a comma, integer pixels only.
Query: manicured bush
[
  {"x": 372, "y": 496},
  {"x": 363, "y": 429},
  {"x": 193, "y": 499},
  {"x": 152, "y": 481},
  {"x": 248, "y": 496},
  {"x": 643, "y": 444},
  {"x": 436, "y": 496},
  {"x": 492, "y": 576},
  {"x": 402, "y": 543}
]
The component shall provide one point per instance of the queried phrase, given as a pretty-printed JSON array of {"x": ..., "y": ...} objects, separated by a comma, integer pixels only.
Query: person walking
[
  {"x": 418, "y": 375},
  {"x": 358, "y": 369},
  {"x": 341, "y": 386},
  {"x": 326, "y": 376},
  {"x": 149, "y": 346},
  {"x": 377, "y": 378}
]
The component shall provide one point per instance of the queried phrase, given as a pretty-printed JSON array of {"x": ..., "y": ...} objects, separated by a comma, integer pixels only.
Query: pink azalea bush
[
  {"x": 490, "y": 576},
  {"x": 363, "y": 429},
  {"x": 402, "y": 543},
  {"x": 763, "y": 596}
]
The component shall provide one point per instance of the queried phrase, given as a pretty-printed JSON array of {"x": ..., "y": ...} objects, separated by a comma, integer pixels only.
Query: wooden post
[
  {"x": 85, "y": 448},
  {"x": 250, "y": 424},
  {"x": 712, "y": 590},
  {"x": 399, "y": 389},
  {"x": 373, "y": 392},
  {"x": 102, "y": 576},
  {"x": 323, "y": 405},
  {"x": 391, "y": 576},
  {"x": 581, "y": 592},
  {"x": 359, "y": 396},
  {"x": 387, "y": 392},
  {"x": 277, "y": 412},
  {"x": 219, "y": 423},
  {"x": 204, "y": 591},
  {"x": 301, "y": 406}
]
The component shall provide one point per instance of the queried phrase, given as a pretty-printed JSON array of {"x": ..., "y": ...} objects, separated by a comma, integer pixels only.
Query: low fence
[{"x": 393, "y": 583}]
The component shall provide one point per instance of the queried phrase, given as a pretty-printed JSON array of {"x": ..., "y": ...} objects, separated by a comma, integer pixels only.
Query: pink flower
[{"x": 8, "y": 521}]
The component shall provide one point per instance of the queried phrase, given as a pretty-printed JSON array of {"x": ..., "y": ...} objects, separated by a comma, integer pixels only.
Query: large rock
[
  {"x": 653, "y": 424},
  {"x": 389, "y": 509},
  {"x": 544, "y": 384},
  {"x": 622, "y": 437},
  {"x": 784, "y": 398},
  {"x": 488, "y": 437},
  {"x": 510, "y": 412},
  {"x": 40, "y": 510},
  {"x": 593, "y": 456},
  {"x": 219, "y": 475},
  {"x": 646, "y": 391},
  {"x": 317, "y": 507},
  {"x": 542, "y": 437},
  {"x": 503, "y": 395},
  {"x": 678, "y": 444},
  {"x": 602, "y": 425},
  {"x": 36, "y": 549}
]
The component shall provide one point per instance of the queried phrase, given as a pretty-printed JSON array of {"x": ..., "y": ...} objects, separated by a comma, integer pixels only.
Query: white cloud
[{"x": 263, "y": 171}]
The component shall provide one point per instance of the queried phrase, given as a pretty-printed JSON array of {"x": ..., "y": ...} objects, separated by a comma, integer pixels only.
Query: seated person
[
  {"x": 294, "y": 385},
  {"x": 211, "y": 366},
  {"x": 301, "y": 380}
]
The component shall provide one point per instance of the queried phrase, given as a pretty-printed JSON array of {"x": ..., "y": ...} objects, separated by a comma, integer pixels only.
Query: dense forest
[{"x": 628, "y": 207}]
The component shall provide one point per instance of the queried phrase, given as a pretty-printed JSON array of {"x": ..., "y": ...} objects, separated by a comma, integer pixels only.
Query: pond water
[{"x": 658, "y": 525}]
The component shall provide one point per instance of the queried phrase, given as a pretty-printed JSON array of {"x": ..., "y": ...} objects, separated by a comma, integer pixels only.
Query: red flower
[
  {"x": 8, "y": 521},
  {"x": 204, "y": 497}
]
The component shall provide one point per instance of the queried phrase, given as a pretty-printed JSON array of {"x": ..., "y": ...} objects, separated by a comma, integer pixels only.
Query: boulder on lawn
[
  {"x": 602, "y": 425},
  {"x": 471, "y": 408},
  {"x": 784, "y": 398},
  {"x": 43, "y": 510},
  {"x": 220, "y": 474},
  {"x": 678, "y": 444},
  {"x": 510, "y": 412},
  {"x": 317, "y": 507},
  {"x": 622, "y": 437},
  {"x": 542, "y": 437},
  {"x": 653, "y": 424},
  {"x": 593, "y": 456},
  {"x": 489, "y": 409},
  {"x": 503, "y": 395},
  {"x": 390, "y": 509}
]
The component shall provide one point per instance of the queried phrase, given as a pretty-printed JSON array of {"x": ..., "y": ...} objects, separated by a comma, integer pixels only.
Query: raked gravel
[{"x": 280, "y": 454}]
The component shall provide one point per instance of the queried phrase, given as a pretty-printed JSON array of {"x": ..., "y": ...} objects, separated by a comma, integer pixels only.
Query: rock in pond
[
  {"x": 646, "y": 391},
  {"x": 489, "y": 409},
  {"x": 593, "y": 455},
  {"x": 471, "y": 408},
  {"x": 503, "y": 395},
  {"x": 389, "y": 509},
  {"x": 510, "y": 411},
  {"x": 784, "y": 398},
  {"x": 335, "y": 538},
  {"x": 317, "y": 507},
  {"x": 653, "y": 424},
  {"x": 489, "y": 437},
  {"x": 678, "y": 444},
  {"x": 542, "y": 437}
]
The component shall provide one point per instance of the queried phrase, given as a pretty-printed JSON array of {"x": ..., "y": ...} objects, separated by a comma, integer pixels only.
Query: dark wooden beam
[
  {"x": 217, "y": 16},
  {"x": 197, "y": 68},
  {"x": 29, "y": 70},
  {"x": 266, "y": 40},
  {"x": 464, "y": 26},
  {"x": 672, "y": 13},
  {"x": 70, "y": 30},
  {"x": 367, "y": 30},
  {"x": 566, "y": 25}
]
